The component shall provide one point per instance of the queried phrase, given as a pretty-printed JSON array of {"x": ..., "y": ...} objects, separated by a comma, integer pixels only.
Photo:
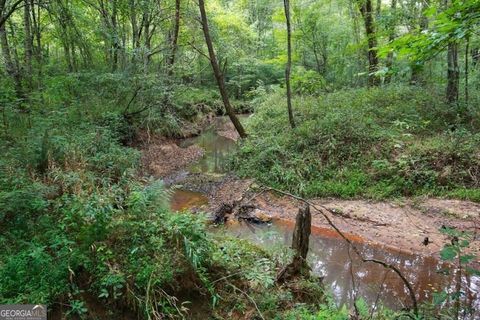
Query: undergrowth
[
  {"x": 82, "y": 234},
  {"x": 377, "y": 143}
]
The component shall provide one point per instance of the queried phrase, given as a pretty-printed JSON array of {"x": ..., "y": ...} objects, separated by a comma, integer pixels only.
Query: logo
[{"x": 23, "y": 312}]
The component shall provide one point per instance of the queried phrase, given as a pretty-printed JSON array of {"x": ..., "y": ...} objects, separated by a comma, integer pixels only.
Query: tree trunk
[
  {"x": 391, "y": 37},
  {"x": 366, "y": 10},
  {"x": 301, "y": 234},
  {"x": 289, "y": 64},
  {"x": 5, "y": 12},
  {"x": 300, "y": 242},
  {"x": 147, "y": 44},
  {"x": 28, "y": 42},
  {"x": 217, "y": 73},
  {"x": 467, "y": 49},
  {"x": 417, "y": 66},
  {"x": 10, "y": 66},
  {"x": 176, "y": 30},
  {"x": 37, "y": 32},
  {"x": 453, "y": 74},
  {"x": 114, "y": 35}
]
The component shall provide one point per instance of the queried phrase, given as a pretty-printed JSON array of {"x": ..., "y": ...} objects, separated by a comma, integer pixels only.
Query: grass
[{"x": 376, "y": 143}]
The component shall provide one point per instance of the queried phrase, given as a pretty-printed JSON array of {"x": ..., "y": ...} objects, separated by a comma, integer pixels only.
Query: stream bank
[{"x": 195, "y": 168}]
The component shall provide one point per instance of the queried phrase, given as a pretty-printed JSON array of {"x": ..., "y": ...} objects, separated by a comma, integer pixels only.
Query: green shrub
[{"x": 378, "y": 143}]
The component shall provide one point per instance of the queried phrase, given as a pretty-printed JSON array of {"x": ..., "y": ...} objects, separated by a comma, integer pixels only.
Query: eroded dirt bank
[{"x": 402, "y": 225}]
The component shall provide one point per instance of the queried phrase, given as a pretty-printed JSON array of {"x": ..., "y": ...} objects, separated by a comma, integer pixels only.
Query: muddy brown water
[
  {"x": 344, "y": 273},
  {"x": 349, "y": 278}
]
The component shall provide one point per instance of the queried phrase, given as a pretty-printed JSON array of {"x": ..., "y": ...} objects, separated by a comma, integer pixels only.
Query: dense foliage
[
  {"x": 82, "y": 234},
  {"x": 377, "y": 143}
]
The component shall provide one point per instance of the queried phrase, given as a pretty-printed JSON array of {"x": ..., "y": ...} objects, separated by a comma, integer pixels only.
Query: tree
[
  {"x": 174, "y": 39},
  {"x": 11, "y": 67},
  {"x": 28, "y": 42},
  {"x": 366, "y": 10},
  {"x": 391, "y": 37},
  {"x": 453, "y": 73},
  {"x": 417, "y": 66},
  {"x": 7, "y": 8},
  {"x": 289, "y": 63},
  {"x": 451, "y": 23},
  {"x": 218, "y": 73}
]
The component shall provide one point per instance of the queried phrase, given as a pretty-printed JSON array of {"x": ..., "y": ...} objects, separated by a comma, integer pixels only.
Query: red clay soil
[{"x": 402, "y": 226}]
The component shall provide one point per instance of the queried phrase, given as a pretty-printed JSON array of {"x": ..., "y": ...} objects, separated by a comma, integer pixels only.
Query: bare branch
[{"x": 321, "y": 210}]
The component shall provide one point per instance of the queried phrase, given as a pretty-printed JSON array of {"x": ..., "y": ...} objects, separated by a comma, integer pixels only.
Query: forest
[{"x": 240, "y": 159}]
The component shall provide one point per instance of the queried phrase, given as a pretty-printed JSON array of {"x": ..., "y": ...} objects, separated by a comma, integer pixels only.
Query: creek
[{"x": 329, "y": 256}]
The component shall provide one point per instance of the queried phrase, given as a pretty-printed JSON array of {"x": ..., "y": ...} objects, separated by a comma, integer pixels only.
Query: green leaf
[
  {"x": 448, "y": 253},
  {"x": 472, "y": 271},
  {"x": 439, "y": 297},
  {"x": 467, "y": 258}
]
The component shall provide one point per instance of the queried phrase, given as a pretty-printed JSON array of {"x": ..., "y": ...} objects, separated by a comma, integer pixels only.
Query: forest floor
[{"x": 401, "y": 224}]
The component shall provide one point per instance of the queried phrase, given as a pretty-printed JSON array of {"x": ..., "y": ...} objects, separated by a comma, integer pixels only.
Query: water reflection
[
  {"x": 184, "y": 199},
  {"x": 331, "y": 258},
  {"x": 216, "y": 147}
]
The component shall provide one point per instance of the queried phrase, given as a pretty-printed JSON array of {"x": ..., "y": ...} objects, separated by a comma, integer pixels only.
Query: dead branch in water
[{"x": 320, "y": 209}]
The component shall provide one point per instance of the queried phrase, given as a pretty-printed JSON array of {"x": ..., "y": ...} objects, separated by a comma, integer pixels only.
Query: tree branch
[
  {"x": 321, "y": 210},
  {"x": 4, "y": 17}
]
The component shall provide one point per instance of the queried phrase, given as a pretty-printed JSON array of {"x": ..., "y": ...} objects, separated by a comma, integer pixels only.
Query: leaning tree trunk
[
  {"x": 289, "y": 64},
  {"x": 300, "y": 241},
  {"x": 217, "y": 72},
  {"x": 366, "y": 10},
  {"x": 453, "y": 74}
]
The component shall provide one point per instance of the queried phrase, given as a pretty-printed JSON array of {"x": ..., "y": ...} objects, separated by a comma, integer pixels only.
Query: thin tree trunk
[
  {"x": 217, "y": 72},
  {"x": 417, "y": 66},
  {"x": 176, "y": 30},
  {"x": 366, "y": 10},
  {"x": 135, "y": 34},
  {"x": 5, "y": 12},
  {"x": 114, "y": 35},
  {"x": 391, "y": 37},
  {"x": 453, "y": 74},
  {"x": 37, "y": 32},
  {"x": 467, "y": 49},
  {"x": 288, "y": 68},
  {"x": 28, "y": 42},
  {"x": 10, "y": 66},
  {"x": 378, "y": 8}
]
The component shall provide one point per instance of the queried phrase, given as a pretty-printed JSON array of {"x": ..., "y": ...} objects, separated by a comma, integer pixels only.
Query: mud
[
  {"x": 197, "y": 164},
  {"x": 401, "y": 226},
  {"x": 162, "y": 157}
]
